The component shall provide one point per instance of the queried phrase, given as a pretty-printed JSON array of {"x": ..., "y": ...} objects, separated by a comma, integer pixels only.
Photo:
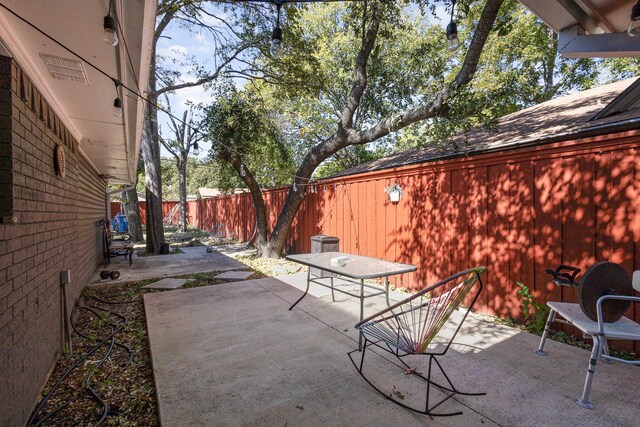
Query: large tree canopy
[
  {"x": 357, "y": 80},
  {"x": 247, "y": 140},
  {"x": 353, "y": 74}
]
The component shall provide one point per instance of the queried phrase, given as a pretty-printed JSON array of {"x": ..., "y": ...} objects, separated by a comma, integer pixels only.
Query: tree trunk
[
  {"x": 152, "y": 171},
  {"x": 261, "y": 213},
  {"x": 274, "y": 248},
  {"x": 258, "y": 203},
  {"x": 261, "y": 223},
  {"x": 346, "y": 135},
  {"x": 132, "y": 211},
  {"x": 153, "y": 184},
  {"x": 182, "y": 184}
]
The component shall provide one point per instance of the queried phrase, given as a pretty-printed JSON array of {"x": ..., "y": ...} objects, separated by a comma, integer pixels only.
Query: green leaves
[
  {"x": 240, "y": 126},
  {"x": 535, "y": 314}
]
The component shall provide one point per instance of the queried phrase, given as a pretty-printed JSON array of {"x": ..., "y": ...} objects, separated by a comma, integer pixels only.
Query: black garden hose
[{"x": 116, "y": 326}]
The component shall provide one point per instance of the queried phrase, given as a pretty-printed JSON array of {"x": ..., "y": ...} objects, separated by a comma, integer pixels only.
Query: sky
[{"x": 176, "y": 44}]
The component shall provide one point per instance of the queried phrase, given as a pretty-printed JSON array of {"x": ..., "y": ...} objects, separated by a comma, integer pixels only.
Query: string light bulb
[
  {"x": 117, "y": 107},
  {"x": 110, "y": 35},
  {"x": 196, "y": 149},
  {"x": 276, "y": 43},
  {"x": 295, "y": 187},
  {"x": 453, "y": 43},
  {"x": 243, "y": 173},
  {"x": 276, "y": 37}
]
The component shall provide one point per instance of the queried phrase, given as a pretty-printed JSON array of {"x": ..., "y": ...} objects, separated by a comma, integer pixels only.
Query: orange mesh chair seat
[{"x": 416, "y": 326}]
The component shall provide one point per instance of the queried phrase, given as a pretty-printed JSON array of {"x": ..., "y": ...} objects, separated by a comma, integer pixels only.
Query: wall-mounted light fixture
[
  {"x": 110, "y": 34},
  {"x": 634, "y": 25},
  {"x": 453, "y": 42},
  {"x": 394, "y": 192}
]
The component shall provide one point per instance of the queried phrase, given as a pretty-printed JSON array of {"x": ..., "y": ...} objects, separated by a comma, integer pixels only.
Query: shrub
[{"x": 535, "y": 314}]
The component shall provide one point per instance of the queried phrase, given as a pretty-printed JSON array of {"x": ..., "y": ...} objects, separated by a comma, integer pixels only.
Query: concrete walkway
[
  {"x": 193, "y": 260},
  {"x": 233, "y": 354}
]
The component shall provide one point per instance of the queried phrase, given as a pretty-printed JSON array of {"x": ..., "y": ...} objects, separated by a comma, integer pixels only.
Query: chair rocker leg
[
  {"x": 428, "y": 410},
  {"x": 451, "y": 388}
]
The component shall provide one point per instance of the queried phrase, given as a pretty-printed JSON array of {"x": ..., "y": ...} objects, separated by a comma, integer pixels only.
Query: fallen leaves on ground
[{"x": 127, "y": 389}]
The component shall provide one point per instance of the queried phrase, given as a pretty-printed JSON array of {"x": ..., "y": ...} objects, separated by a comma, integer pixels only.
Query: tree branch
[
  {"x": 360, "y": 80},
  {"x": 439, "y": 103},
  {"x": 168, "y": 146},
  {"x": 203, "y": 80}
]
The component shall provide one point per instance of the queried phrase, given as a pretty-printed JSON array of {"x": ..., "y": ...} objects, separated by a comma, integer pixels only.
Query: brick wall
[
  {"x": 48, "y": 225},
  {"x": 6, "y": 179}
]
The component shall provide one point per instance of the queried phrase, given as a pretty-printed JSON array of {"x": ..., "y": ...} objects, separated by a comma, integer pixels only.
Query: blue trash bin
[{"x": 123, "y": 223}]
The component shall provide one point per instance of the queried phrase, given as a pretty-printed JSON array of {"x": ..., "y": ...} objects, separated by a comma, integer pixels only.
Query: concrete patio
[
  {"x": 234, "y": 354},
  {"x": 192, "y": 260}
]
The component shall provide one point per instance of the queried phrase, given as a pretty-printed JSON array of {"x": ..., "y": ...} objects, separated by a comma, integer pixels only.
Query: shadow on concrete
[
  {"x": 234, "y": 354},
  {"x": 193, "y": 260}
]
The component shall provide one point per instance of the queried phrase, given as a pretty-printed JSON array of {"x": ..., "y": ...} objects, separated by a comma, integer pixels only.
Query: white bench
[{"x": 599, "y": 332}]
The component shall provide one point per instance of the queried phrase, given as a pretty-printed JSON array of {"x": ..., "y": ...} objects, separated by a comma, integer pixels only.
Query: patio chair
[
  {"x": 424, "y": 324},
  {"x": 599, "y": 330},
  {"x": 220, "y": 237},
  {"x": 114, "y": 244},
  {"x": 121, "y": 245}
]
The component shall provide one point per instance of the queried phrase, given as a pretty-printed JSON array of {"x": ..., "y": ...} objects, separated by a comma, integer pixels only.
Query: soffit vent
[
  {"x": 98, "y": 143},
  {"x": 65, "y": 69}
]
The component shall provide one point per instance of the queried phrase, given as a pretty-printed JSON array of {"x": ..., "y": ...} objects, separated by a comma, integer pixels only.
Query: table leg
[
  {"x": 305, "y": 291},
  {"x": 361, "y": 311},
  {"x": 386, "y": 287},
  {"x": 333, "y": 297}
]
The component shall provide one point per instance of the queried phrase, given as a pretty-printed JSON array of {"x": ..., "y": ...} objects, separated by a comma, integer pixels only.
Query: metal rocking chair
[{"x": 414, "y": 326}]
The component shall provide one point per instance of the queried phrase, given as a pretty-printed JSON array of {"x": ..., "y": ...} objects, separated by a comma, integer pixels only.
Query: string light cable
[
  {"x": 116, "y": 81},
  {"x": 139, "y": 95}
]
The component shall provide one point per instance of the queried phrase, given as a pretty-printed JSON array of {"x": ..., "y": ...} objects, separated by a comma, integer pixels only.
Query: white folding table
[{"x": 355, "y": 269}]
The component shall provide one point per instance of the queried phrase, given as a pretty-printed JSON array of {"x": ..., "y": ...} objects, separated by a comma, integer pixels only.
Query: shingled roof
[
  {"x": 205, "y": 193},
  {"x": 605, "y": 109}
]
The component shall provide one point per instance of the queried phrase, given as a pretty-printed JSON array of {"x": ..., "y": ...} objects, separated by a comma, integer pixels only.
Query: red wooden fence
[
  {"x": 192, "y": 211},
  {"x": 518, "y": 212}
]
